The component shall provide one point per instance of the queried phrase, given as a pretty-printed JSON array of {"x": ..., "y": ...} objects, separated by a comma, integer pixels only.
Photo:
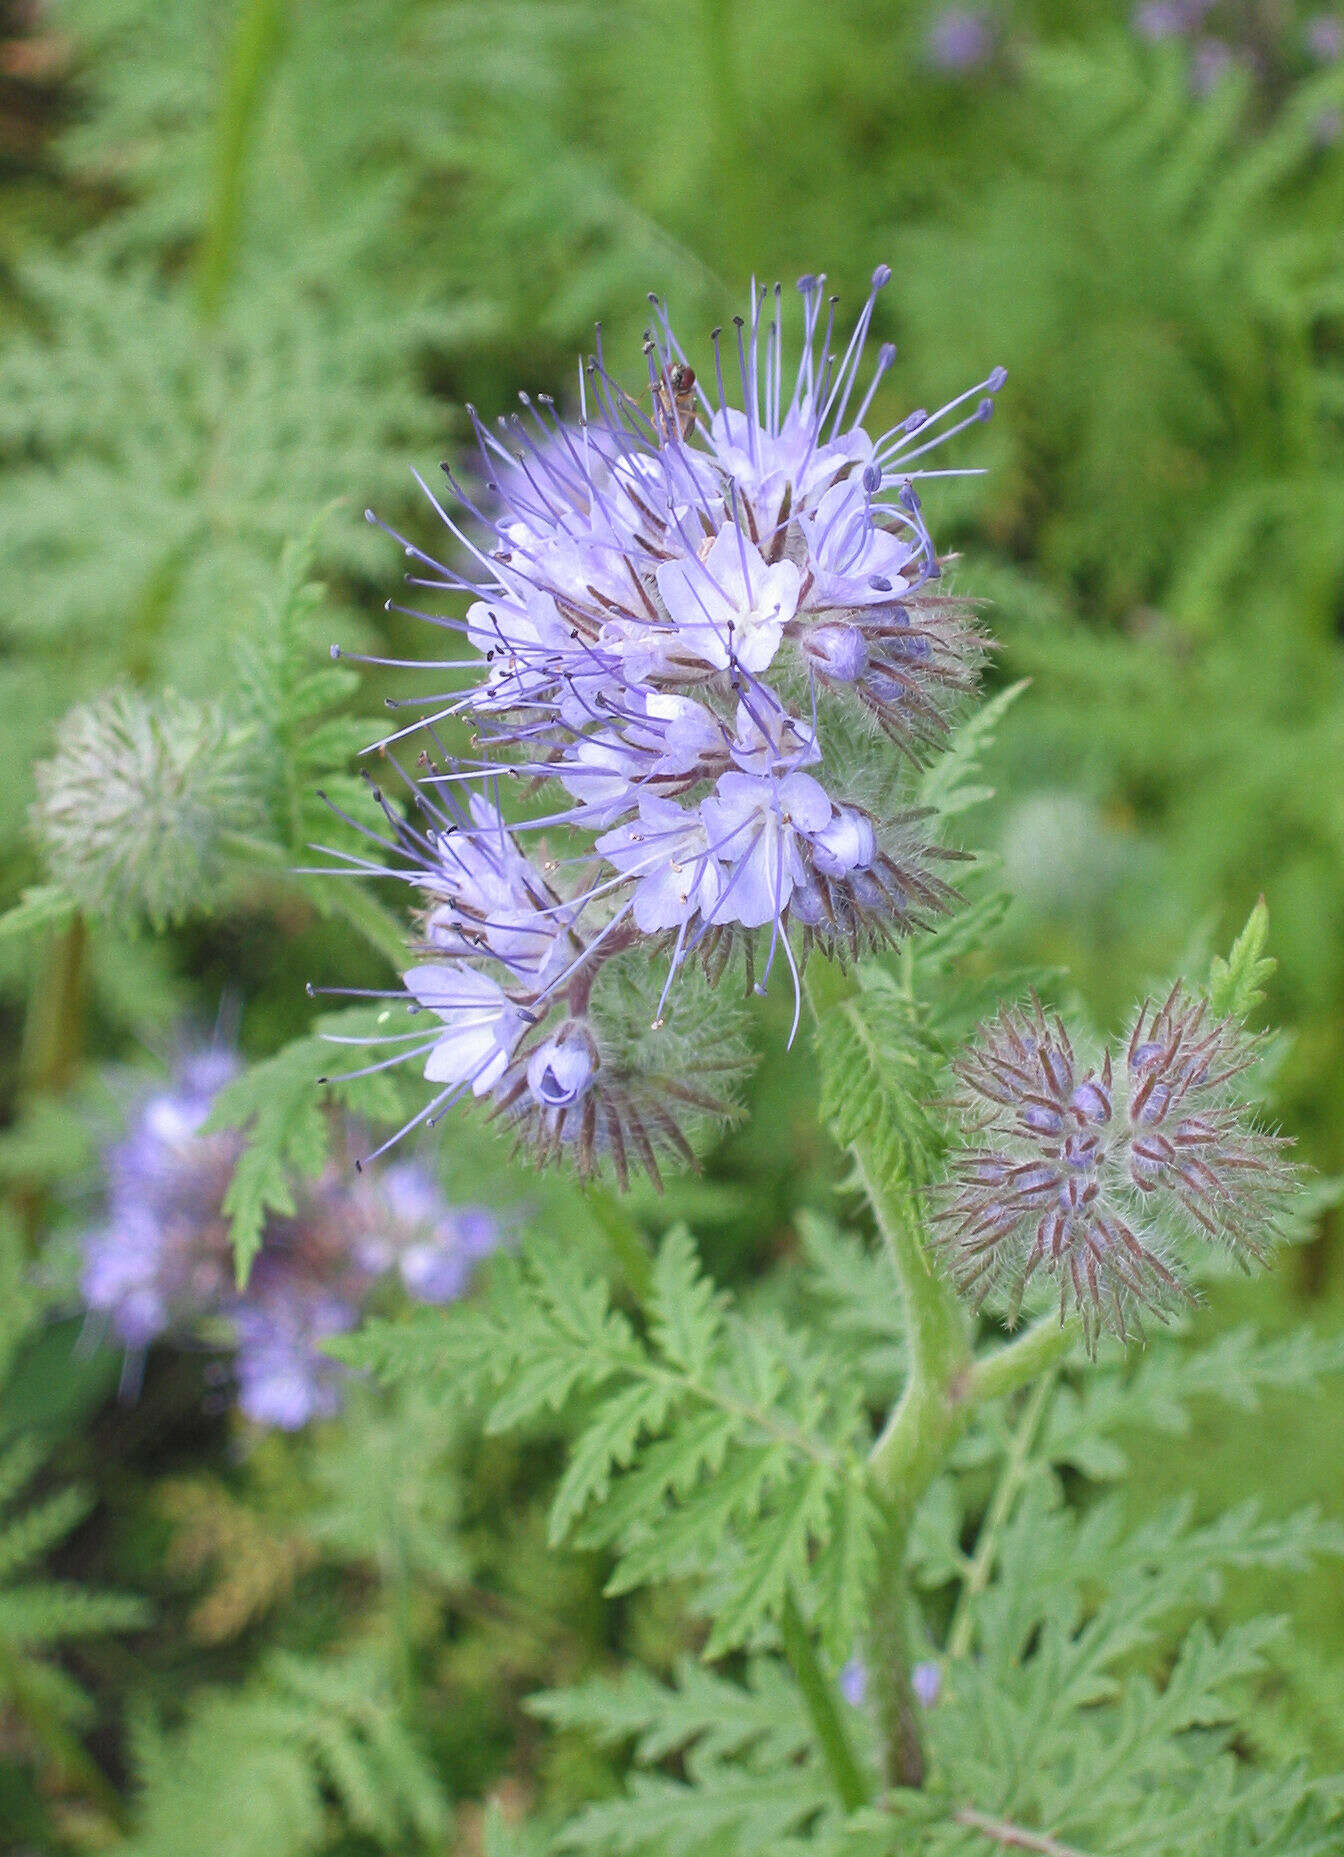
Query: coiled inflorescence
[
  {"x": 161, "y": 1263},
  {"x": 1095, "y": 1172},
  {"x": 693, "y": 621},
  {"x": 135, "y": 807}
]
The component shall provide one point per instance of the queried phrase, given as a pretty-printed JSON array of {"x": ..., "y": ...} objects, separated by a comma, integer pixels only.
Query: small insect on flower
[
  {"x": 674, "y": 402},
  {"x": 697, "y": 616},
  {"x": 1098, "y": 1172}
]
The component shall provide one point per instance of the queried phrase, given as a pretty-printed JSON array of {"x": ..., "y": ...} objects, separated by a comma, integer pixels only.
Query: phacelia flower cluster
[
  {"x": 161, "y": 1266},
  {"x": 696, "y": 618},
  {"x": 1273, "y": 45},
  {"x": 1095, "y": 1172}
]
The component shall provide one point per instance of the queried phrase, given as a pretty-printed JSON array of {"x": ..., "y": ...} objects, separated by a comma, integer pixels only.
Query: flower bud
[
  {"x": 839, "y": 652},
  {"x": 847, "y": 843},
  {"x": 559, "y": 1071},
  {"x": 133, "y": 807}
]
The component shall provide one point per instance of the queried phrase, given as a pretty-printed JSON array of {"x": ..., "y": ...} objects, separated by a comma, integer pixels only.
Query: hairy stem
[
  {"x": 1044, "y": 1345},
  {"x": 852, "y": 1785},
  {"x": 933, "y": 1408},
  {"x": 926, "y": 1420},
  {"x": 890, "y": 1663}
]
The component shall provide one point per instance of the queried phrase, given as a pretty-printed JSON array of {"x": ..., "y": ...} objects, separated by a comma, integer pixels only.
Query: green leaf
[
  {"x": 876, "y": 1074},
  {"x": 700, "y": 1708},
  {"x": 949, "y": 785},
  {"x": 846, "y": 1567},
  {"x": 279, "y": 1102},
  {"x": 775, "y": 1558},
  {"x": 1236, "y": 985},
  {"x": 684, "y": 1309},
  {"x": 45, "y": 906},
  {"x": 606, "y": 1446}
]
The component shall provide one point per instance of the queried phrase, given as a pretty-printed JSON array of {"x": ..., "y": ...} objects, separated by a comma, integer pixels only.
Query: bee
[{"x": 674, "y": 402}]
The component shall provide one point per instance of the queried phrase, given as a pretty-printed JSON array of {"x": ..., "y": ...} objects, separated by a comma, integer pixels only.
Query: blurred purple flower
[
  {"x": 960, "y": 39},
  {"x": 161, "y": 1262},
  {"x": 1323, "y": 37},
  {"x": 1169, "y": 19},
  {"x": 1210, "y": 62}
]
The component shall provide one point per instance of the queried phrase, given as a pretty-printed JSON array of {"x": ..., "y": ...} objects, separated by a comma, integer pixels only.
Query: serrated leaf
[
  {"x": 279, "y": 1102},
  {"x": 607, "y": 1445},
  {"x": 1236, "y": 985},
  {"x": 875, "y": 1077},
  {"x": 684, "y": 1309},
  {"x": 949, "y": 786},
  {"x": 846, "y": 1567},
  {"x": 775, "y": 1558}
]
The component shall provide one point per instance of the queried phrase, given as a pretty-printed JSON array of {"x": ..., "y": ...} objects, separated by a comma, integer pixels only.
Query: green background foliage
[{"x": 254, "y": 259}]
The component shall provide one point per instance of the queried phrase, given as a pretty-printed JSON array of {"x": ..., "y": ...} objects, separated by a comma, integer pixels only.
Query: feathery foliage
[{"x": 658, "y": 1545}]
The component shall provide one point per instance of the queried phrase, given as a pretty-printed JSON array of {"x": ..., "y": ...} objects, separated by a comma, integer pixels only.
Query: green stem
[
  {"x": 853, "y": 1786},
  {"x": 1046, "y": 1344},
  {"x": 256, "y": 39},
  {"x": 933, "y": 1409},
  {"x": 927, "y": 1419},
  {"x": 996, "y": 1517},
  {"x": 51, "y": 1032},
  {"x": 890, "y": 1662}
]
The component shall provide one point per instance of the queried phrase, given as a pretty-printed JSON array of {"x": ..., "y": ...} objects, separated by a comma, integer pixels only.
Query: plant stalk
[
  {"x": 256, "y": 40},
  {"x": 996, "y": 1518},
  {"x": 1046, "y": 1344},
  {"x": 853, "y": 1786},
  {"x": 925, "y": 1422}
]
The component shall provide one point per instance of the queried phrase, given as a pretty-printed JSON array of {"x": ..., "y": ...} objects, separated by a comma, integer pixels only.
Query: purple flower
[
  {"x": 559, "y": 1071},
  {"x": 1169, "y": 19},
  {"x": 283, "y": 1377},
  {"x": 161, "y": 1265},
  {"x": 669, "y": 607},
  {"x": 960, "y": 39},
  {"x": 667, "y": 851},
  {"x": 1323, "y": 36},
  {"x": 759, "y": 825},
  {"x": 927, "y": 1682},
  {"x": 1210, "y": 62},
  {"x": 481, "y": 1025},
  {"x": 854, "y": 1682},
  {"x": 728, "y": 607},
  {"x": 1093, "y": 1172},
  {"x": 159, "y": 1256}
]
